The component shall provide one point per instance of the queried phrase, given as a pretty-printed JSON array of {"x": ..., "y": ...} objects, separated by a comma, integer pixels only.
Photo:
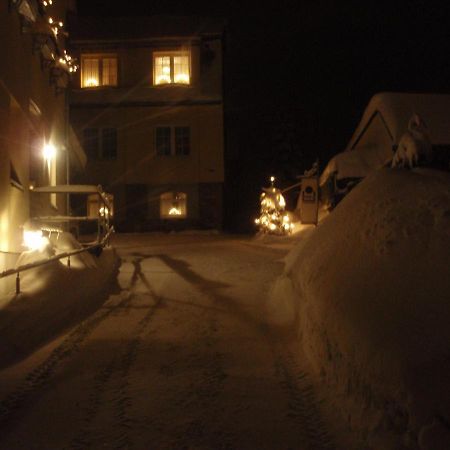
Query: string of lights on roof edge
[
  {"x": 66, "y": 61},
  {"x": 46, "y": 24}
]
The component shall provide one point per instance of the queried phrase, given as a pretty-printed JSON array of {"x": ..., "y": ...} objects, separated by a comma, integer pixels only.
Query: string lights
[
  {"x": 47, "y": 32},
  {"x": 273, "y": 218}
]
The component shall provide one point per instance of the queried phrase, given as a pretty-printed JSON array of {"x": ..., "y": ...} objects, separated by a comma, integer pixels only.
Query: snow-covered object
[
  {"x": 395, "y": 110},
  {"x": 414, "y": 146},
  {"x": 369, "y": 292},
  {"x": 382, "y": 127},
  {"x": 66, "y": 242},
  {"x": 348, "y": 165},
  {"x": 53, "y": 296}
]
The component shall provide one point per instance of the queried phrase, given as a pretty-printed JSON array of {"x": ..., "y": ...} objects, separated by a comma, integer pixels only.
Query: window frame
[
  {"x": 104, "y": 138},
  {"x": 100, "y": 57},
  {"x": 100, "y": 140},
  {"x": 172, "y": 54},
  {"x": 173, "y": 141}
]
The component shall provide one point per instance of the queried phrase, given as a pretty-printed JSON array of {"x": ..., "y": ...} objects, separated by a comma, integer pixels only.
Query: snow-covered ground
[
  {"x": 180, "y": 357},
  {"x": 369, "y": 293},
  {"x": 179, "y": 354}
]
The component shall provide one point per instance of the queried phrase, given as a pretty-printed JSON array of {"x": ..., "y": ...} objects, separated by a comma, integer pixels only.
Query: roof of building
[
  {"x": 138, "y": 28},
  {"x": 397, "y": 108}
]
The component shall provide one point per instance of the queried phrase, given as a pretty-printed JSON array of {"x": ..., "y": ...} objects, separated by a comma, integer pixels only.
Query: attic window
[{"x": 171, "y": 68}]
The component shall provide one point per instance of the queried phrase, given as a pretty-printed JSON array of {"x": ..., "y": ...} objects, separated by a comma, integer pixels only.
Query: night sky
[{"x": 299, "y": 74}]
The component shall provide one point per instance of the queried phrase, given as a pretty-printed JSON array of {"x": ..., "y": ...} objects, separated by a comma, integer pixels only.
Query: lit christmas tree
[{"x": 273, "y": 218}]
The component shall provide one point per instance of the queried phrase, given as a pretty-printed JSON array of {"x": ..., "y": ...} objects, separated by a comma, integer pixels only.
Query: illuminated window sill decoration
[
  {"x": 98, "y": 70},
  {"x": 91, "y": 82},
  {"x": 173, "y": 205},
  {"x": 273, "y": 218},
  {"x": 171, "y": 68}
]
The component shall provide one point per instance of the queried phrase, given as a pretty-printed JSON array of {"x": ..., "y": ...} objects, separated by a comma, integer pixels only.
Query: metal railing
[{"x": 67, "y": 255}]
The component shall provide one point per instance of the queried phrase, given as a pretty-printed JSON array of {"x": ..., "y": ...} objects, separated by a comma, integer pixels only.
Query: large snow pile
[
  {"x": 369, "y": 290},
  {"x": 53, "y": 296}
]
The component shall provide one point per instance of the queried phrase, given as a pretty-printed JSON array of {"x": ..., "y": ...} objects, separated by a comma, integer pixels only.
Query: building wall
[
  {"x": 24, "y": 128},
  {"x": 138, "y": 176}
]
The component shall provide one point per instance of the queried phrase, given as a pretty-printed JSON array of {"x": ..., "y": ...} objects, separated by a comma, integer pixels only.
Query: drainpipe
[{"x": 66, "y": 142}]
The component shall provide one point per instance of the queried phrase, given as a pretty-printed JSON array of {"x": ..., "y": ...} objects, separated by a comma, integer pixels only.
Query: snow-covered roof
[
  {"x": 397, "y": 108},
  {"x": 348, "y": 165}
]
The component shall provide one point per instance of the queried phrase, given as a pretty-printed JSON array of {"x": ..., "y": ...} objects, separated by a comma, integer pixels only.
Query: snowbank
[
  {"x": 369, "y": 290},
  {"x": 54, "y": 296}
]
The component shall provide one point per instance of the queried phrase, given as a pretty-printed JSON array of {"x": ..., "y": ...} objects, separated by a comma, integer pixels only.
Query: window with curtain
[
  {"x": 173, "y": 205},
  {"x": 171, "y": 68},
  {"x": 98, "y": 70}
]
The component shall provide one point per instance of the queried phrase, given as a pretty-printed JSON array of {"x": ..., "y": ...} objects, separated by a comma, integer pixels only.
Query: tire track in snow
[
  {"x": 85, "y": 436},
  {"x": 119, "y": 368},
  {"x": 122, "y": 398},
  {"x": 40, "y": 376},
  {"x": 203, "y": 431},
  {"x": 303, "y": 405}
]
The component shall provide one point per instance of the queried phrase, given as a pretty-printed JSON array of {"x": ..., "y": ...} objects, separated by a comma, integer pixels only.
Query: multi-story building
[
  {"x": 35, "y": 137},
  {"x": 148, "y": 106}
]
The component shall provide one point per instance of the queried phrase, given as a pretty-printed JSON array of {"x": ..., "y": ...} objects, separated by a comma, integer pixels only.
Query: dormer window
[
  {"x": 172, "y": 68},
  {"x": 98, "y": 70}
]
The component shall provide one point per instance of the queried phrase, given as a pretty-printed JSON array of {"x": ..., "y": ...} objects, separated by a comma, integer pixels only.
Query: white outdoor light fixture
[{"x": 49, "y": 151}]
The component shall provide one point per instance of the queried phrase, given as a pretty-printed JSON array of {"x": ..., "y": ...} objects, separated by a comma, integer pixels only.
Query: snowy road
[{"x": 180, "y": 358}]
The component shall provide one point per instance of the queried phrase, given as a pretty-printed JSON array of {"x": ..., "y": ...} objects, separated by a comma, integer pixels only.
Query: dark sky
[{"x": 299, "y": 73}]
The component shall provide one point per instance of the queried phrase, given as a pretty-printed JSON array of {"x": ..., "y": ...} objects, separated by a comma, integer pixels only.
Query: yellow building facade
[
  {"x": 147, "y": 105},
  {"x": 34, "y": 128}
]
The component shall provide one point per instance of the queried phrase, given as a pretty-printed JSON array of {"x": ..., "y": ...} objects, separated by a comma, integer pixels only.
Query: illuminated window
[
  {"x": 173, "y": 141},
  {"x": 171, "y": 68},
  {"x": 173, "y": 205},
  {"x": 98, "y": 70}
]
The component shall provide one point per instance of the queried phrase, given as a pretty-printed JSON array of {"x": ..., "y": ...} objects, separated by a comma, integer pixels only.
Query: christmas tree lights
[{"x": 273, "y": 218}]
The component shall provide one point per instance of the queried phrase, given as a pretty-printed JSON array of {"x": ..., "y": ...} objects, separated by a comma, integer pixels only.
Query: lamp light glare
[
  {"x": 33, "y": 240},
  {"x": 49, "y": 151}
]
